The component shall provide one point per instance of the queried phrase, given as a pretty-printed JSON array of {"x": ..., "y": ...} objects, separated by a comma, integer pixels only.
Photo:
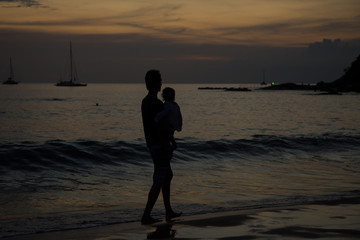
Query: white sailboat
[
  {"x": 263, "y": 82},
  {"x": 11, "y": 79},
  {"x": 72, "y": 82}
]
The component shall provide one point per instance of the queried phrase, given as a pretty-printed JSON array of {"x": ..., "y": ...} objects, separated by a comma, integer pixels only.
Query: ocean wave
[
  {"x": 35, "y": 156},
  {"x": 58, "y": 154},
  {"x": 53, "y": 99},
  {"x": 263, "y": 145},
  {"x": 88, "y": 183}
]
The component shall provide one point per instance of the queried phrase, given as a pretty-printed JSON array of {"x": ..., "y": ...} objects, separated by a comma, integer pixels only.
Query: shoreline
[{"x": 336, "y": 221}]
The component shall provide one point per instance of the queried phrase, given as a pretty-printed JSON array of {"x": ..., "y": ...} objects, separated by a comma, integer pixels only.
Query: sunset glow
[
  {"x": 233, "y": 22},
  {"x": 190, "y": 41}
]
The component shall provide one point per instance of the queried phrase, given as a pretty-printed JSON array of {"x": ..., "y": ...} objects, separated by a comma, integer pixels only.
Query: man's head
[{"x": 153, "y": 80}]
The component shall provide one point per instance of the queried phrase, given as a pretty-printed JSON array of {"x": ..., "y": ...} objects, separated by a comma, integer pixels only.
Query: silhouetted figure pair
[{"x": 159, "y": 129}]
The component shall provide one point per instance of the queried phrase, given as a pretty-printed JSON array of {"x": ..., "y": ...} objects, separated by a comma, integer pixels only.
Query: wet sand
[{"x": 299, "y": 222}]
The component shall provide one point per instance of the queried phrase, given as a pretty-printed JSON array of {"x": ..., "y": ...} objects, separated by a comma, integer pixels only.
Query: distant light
[{"x": 273, "y": 83}]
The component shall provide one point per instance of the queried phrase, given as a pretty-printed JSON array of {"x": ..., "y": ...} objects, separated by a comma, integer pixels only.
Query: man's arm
[{"x": 173, "y": 142}]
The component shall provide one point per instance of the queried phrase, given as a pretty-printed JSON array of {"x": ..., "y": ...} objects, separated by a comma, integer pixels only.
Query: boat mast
[
  {"x": 264, "y": 76},
  {"x": 71, "y": 64},
  {"x": 11, "y": 71}
]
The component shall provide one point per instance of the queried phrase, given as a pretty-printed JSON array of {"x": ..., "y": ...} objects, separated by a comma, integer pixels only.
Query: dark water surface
[{"x": 67, "y": 163}]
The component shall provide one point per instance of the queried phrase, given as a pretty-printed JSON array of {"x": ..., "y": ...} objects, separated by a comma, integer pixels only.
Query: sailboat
[
  {"x": 11, "y": 78},
  {"x": 263, "y": 82},
  {"x": 73, "y": 75}
]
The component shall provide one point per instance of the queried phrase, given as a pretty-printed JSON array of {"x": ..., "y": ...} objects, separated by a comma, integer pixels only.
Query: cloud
[
  {"x": 152, "y": 19},
  {"x": 126, "y": 58},
  {"x": 182, "y": 22},
  {"x": 294, "y": 28},
  {"x": 340, "y": 25},
  {"x": 168, "y": 30},
  {"x": 204, "y": 58},
  {"x": 22, "y": 3},
  {"x": 167, "y": 10},
  {"x": 329, "y": 46}
]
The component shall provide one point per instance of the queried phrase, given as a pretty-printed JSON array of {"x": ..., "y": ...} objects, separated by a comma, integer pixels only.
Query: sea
[{"x": 75, "y": 157}]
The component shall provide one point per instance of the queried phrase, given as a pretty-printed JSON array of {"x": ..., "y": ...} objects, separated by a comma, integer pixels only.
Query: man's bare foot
[
  {"x": 170, "y": 216},
  {"x": 147, "y": 220}
]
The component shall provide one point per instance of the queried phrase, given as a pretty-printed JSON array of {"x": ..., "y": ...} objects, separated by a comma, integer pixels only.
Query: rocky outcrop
[{"x": 349, "y": 82}]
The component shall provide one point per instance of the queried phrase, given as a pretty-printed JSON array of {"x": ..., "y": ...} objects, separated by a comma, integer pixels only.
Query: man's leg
[
  {"x": 166, "y": 196},
  {"x": 155, "y": 188},
  {"x": 152, "y": 197}
]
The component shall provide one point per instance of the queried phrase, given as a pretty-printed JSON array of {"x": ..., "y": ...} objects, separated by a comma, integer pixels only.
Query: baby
[{"x": 171, "y": 114}]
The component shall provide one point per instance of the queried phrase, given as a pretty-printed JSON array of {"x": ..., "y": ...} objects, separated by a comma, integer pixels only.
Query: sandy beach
[{"x": 299, "y": 222}]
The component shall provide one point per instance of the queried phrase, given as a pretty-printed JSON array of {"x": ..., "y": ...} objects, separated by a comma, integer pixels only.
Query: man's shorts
[
  {"x": 162, "y": 174},
  {"x": 161, "y": 156}
]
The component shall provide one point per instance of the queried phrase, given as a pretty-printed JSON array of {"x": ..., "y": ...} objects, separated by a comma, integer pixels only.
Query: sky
[{"x": 202, "y": 41}]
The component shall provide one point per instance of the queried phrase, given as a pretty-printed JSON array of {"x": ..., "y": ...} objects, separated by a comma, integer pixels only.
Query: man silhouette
[{"x": 159, "y": 146}]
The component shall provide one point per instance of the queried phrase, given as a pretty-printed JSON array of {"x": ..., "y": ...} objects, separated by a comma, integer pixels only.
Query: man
[{"x": 159, "y": 146}]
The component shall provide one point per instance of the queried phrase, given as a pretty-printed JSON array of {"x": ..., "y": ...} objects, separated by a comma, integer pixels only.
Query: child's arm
[{"x": 162, "y": 114}]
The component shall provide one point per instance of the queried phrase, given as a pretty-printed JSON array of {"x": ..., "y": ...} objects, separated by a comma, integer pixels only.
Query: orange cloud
[
  {"x": 204, "y": 58},
  {"x": 255, "y": 22}
]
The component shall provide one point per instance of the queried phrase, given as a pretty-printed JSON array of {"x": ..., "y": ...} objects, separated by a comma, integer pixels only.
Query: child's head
[{"x": 168, "y": 94}]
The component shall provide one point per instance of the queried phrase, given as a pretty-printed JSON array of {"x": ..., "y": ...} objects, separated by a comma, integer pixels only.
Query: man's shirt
[{"x": 150, "y": 106}]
